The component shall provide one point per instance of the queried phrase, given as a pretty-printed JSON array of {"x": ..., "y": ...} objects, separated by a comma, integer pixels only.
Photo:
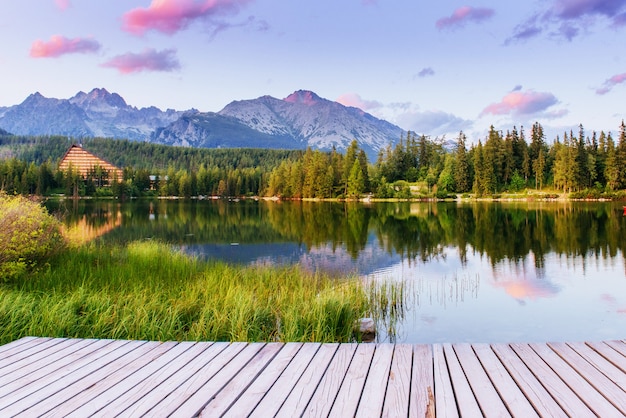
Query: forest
[{"x": 578, "y": 164}]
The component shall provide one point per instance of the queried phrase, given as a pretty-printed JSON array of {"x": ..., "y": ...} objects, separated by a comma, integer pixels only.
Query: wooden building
[{"x": 85, "y": 163}]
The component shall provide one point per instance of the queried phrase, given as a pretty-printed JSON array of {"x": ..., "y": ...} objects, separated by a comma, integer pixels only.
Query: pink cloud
[
  {"x": 148, "y": 60},
  {"x": 60, "y": 45},
  {"x": 354, "y": 100},
  {"x": 62, "y": 4},
  {"x": 170, "y": 16},
  {"x": 611, "y": 82},
  {"x": 464, "y": 14},
  {"x": 521, "y": 103}
]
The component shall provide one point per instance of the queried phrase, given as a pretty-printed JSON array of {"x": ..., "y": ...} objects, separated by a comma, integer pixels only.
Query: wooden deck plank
[
  {"x": 589, "y": 395},
  {"x": 195, "y": 403},
  {"x": 259, "y": 387},
  {"x": 124, "y": 385},
  {"x": 34, "y": 354},
  {"x": 74, "y": 371},
  {"x": 213, "y": 358},
  {"x": 324, "y": 397},
  {"x": 466, "y": 401},
  {"x": 349, "y": 394},
  {"x": 19, "y": 345},
  {"x": 99, "y": 383},
  {"x": 170, "y": 379},
  {"x": 45, "y": 371},
  {"x": 562, "y": 393},
  {"x": 509, "y": 391},
  {"x": 533, "y": 390},
  {"x": 233, "y": 390},
  {"x": 19, "y": 351},
  {"x": 192, "y": 376},
  {"x": 422, "y": 394},
  {"x": 398, "y": 392},
  {"x": 602, "y": 364},
  {"x": 274, "y": 397},
  {"x": 602, "y": 384},
  {"x": 619, "y": 346},
  {"x": 101, "y": 371},
  {"x": 611, "y": 355},
  {"x": 128, "y": 401},
  {"x": 485, "y": 393},
  {"x": 445, "y": 401},
  {"x": 299, "y": 397},
  {"x": 217, "y": 356},
  {"x": 373, "y": 395}
]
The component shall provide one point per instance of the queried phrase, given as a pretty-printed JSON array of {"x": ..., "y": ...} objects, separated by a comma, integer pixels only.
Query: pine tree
[
  {"x": 539, "y": 169},
  {"x": 479, "y": 167},
  {"x": 601, "y": 158},
  {"x": 611, "y": 171},
  {"x": 356, "y": 182},
  {"x": 621, "y": 156},
  {"x": 462, "y": 178},
  {"x": 581, "y": 174},
  {"x": 560, "y": 165}
]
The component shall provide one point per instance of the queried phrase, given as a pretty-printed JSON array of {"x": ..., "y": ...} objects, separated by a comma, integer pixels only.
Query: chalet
[{"x": 86, "y": 164}]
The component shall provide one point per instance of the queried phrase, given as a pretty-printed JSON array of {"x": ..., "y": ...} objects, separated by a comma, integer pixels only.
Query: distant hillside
[{"x": 144, "y": 155}]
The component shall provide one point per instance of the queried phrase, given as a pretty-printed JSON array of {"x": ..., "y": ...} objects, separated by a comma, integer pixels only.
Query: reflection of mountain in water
[
  {"x": 236, "y": 253},
  {"x": 329, "y": 258}
]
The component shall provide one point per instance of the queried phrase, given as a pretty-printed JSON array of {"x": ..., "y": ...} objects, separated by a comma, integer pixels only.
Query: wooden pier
[{"x": 56, "y": 377}]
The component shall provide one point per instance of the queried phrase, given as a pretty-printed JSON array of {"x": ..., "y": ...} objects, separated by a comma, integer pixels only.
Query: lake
[{"x": 472, "y": 271}]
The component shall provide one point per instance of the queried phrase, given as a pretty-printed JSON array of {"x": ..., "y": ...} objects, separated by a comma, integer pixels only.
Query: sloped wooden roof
[{"x": 84, "y": 161}]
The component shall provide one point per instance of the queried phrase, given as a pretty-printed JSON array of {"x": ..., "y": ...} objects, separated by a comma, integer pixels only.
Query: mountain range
[{"x": 302, "y": 119}]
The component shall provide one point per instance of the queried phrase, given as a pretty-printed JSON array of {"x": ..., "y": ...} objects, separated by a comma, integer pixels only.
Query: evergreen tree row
[{"x": 504, "y": 162}]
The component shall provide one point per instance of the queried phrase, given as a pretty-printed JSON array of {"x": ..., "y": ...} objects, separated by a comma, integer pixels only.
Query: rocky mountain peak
[
  {"x": 98, "y": 96},
  {"x": 35, "y": 99},
  {"x": 305, "y": 97}
]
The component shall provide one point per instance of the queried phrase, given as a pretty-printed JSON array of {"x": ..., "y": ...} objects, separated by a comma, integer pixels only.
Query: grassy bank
[{"x": 146, "y": 291}]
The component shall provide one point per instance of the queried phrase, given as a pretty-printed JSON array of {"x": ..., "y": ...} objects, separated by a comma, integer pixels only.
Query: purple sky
[{"x": 434, "y": 68}]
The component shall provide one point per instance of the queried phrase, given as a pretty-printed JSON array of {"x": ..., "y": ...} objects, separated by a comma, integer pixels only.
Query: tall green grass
[{"x": 146, "y": 291}]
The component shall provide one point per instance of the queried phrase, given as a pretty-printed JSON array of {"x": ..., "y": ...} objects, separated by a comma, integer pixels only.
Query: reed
[
  {"x": 147, "y": 291},
  {"x": 388, "y": 301}
]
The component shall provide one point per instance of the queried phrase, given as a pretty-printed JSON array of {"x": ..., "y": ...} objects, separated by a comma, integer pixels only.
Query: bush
[
  {"x": 28, "y": 236},
  {"x": 443, "y": 194}
]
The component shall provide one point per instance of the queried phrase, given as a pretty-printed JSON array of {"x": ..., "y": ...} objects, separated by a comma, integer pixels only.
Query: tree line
[
  {"x": 417, "y": 166},
  {"x": 586, "y": 166}
]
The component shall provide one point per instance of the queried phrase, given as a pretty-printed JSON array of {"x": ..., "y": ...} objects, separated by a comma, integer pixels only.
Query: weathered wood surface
[{"x": 83, "y": 377}]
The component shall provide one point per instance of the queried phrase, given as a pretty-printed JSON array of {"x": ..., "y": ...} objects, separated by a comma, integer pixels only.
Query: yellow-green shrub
[{"x": 28, "y": 235}]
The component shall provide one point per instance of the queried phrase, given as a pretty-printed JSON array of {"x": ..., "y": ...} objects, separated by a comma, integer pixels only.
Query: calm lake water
[{"x": 473, "y": 271}]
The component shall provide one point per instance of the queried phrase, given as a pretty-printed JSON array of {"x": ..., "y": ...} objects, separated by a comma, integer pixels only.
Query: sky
[{"x": 434, "y": 68}]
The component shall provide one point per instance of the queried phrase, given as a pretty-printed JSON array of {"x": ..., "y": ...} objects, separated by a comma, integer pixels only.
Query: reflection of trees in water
[{"x": 415, "y": 231}]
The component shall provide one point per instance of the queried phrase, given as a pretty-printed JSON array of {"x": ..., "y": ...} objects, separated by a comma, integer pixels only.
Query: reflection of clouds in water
[
  {"x": 429, "y": 319},
  {"x": 523, "y": 280},
  {"x": 524, "y": 289},
  {"x": 608, "y": 298},
  {"x": 612, "y": 303}
]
